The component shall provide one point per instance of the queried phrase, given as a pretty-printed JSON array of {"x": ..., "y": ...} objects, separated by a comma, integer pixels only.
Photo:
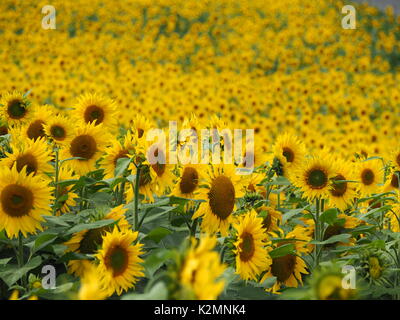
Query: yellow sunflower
[
  {"x": 35, "y": 156},
  {"x": 140, "y": 126},
  {"x": 189, "y": 180},
  {"x": 392, "y": 182},
  {"x": 59, "y": 129},
  {"x": 313, "y": 178},
  {"x": 395, "y": 158},
  {"x": 34, "y": 129},
  {"x": 91, "y": 288},
  {"x": 271, "y": 218},
  {"x": 342, "y": 192},
  {"x": 96, "y": 109},
  {"x": 15, "y": 108},
  {"x": 250, "y": 247},
  {"x": 87, "y": 142},
  {"x": 119, "y": 261},
  {"x": 290, "y": 152},
  {"x": 24, "y": 200},
  {"x": 222, "y": 187},
  {"x": 66, "y": 174},
  {"x": 202, "y": 268},
  {"x": 88, "y": 241},
  {"x": 288, "y": 268},
  {"x": 369, "y": 174},
  {"x": 116, "y": 150}
]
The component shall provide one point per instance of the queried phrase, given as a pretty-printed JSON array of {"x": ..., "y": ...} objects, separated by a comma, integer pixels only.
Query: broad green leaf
[
  {"x": 291, "y": 213},
  {"x": 4, "y": 261},
  {"x": 43, "y": 240},
  {"x": 122, "y": 165},
  {"x": 12, "y": 274},
  {"x": 282, "y": 250},
  {"x": 329, "y": 216},
  {"x": 155, "y": 260},
  {"x": 337, "y": 238},
  {"x": 92, "y": 225},
  {"x": 158, "y": 234}
]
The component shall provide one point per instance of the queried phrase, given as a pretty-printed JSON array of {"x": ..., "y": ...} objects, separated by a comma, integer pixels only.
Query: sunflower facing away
[
  {"x": 119, "y": 261},
  {"x": 15, "y": 108},
  {"x": 24, "y": 200},
  {"x": 202, "y": 269},
  {"x": 87, "y": 142},
  {"x": 222, "y": 187},
  {"x": 251, "y": 254},
  {"x": 96, "y": 109}
]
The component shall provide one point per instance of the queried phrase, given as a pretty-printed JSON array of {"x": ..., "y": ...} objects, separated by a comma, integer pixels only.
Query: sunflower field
[{"x": 85, "y": 214}]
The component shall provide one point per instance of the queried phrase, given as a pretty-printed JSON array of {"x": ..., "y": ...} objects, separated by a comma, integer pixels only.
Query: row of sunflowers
[{"x": 79, "y": 195}]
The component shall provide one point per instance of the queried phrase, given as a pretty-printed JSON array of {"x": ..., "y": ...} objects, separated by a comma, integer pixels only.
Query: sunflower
[
  {"x": 189, "y": 181},
  {"x": 288, "y": 268},
  {"x": 65, "y": 191},
  {"x": 115, "y": 151},
  {"x": 59, "y": 129},
  {"x": 252, "y": 183},
  {"x": 255, "y": 157},
  {"x": 201, "y": 270},
  {"x": 119, "y": 261},
  {"x": 91, "y": 285},
  {"x": 34, "y": 129},
  {"x": 251, "y": 254},
  {"x": 395, "y": 158},
  {"x": 140, "y": 127},
  {"x": 15, "y": 108},
  {"x": 24, "y": 198},
  {"x": 157, "y": 156},
  {"x": 147, "y": 181},
  {"x": 369, "y": 173},
  {"x": 96, "y": 109},
  {"x": 271, "y": 218},
  {"x": 35, "y": 156},
  {"x": 392, "y": 182},
  {"x": 87, "y": 142},
  {"x": 222, "y": 187},
  {"x": 342, "y": 193},
  {"x": 290, "y": 152},
  {"x": 88, "y": 241},
  {"x": 313, "y": 178}
]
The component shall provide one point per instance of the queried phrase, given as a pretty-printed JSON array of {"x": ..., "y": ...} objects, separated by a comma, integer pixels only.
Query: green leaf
[
  {"x": 282, "y": 250},
  {"x": 338, "y": 238},
  {"x": 12, "y": 274},
  {"x": 56, "y": 220},
  {"x": 92, "y": 225},
  {"x": 122, "y": 165},
  {"x": 158, "y": 292},
  {"x": 74, "y": 256},
  {"x": 4, "y": 261},
  {"x": 43, "y": 240},
  {"x": 329, "y": 216},
  {"x": 158, "y": 234},
  {"x": 155, "y": 260},
  {"x": 291, "y": 213}
]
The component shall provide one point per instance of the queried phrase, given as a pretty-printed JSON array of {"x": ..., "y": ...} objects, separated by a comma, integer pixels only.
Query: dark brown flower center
[
  {"x": 92, "y": 239},
  {"x": 288, "y": 154},
  {"x": 27, "y": 160},
  {"x": 83, "y": 146},
  {"x": 339, "y": 188},
  {"x": 3, "y": 130},
  {"x": 189, "y": 180},
  {"x": 58, "y": 132},
  {"x": 367, "y": 177},
  {"x": 16, "y": 200},
  {"x": 16, "y": 109},
  {"x": 144, "y": 177},
  {"x": 317, "y": 178},
  {"x": 394, "y": 182},
  {"x": 267, "y": 221},
  {"x": 222, "y": 197},
  {"x": 117, "y": 260},
  {"x": 283, "y": 267},
  {"x": 94, "y": 113},
  {"x": 160, "y": 166},
  {"x": 35, "y": 130},
  {"x": 246, "y": 247}
]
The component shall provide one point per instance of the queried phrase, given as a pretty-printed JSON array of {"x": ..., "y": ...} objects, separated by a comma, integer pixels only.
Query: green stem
[
  {"x": 121, "y": 193},
  {"x": 57, "y": 172},
  {"x": 317, "y": 233},
  {"x": 137, "y": 197},
  {"x": 20, "y": 258}
]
